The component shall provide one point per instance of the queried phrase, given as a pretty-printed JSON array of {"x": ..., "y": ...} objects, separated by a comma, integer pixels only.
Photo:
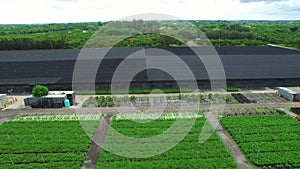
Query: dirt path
[
  {"x": 235, "y": 151},
  {"x": 233, "y": 148},
  {"x": 94, "y": 151},
  {"x": 288, "y": 112},
  {"x": 19, "y": 104}
]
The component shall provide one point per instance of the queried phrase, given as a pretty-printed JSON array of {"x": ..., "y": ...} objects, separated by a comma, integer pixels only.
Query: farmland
[
  {"x": 189, "y": 153},
  {"x": 251, "y": 111},
  {"x": 265, "y": 98},
  {"x": 42, "y": 143},
  {"x": 175, "y": 100},
  {"x": 266, "y": 136},
  {"x": 267, "y": 141}
]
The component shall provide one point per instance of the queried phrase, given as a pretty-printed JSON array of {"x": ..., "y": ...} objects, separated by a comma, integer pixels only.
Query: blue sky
[{"x": 56, "y": 11}]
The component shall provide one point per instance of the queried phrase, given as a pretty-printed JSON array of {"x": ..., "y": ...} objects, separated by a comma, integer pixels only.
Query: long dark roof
[
  {"x": 56, "y": 66},
  {"x": 120, "y": 53}
]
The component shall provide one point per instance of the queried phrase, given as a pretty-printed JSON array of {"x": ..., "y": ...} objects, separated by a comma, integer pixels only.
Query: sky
[{"x": 61, "y": 11}]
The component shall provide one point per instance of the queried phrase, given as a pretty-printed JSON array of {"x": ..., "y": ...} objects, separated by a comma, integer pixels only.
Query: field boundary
[
  {"x": 94, "y": 151},
  {"x": 231, "y": 145},
  {"x": 288, "y": 112}
]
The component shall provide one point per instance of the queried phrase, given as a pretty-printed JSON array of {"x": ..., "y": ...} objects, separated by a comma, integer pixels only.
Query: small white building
[
  {"x": 54, "y": 99},
  {"x": 290, "y": 93},
  {"x": 70, "y": 95}
]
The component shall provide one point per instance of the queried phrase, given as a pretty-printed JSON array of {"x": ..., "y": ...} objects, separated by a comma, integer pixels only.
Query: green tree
[
  {"x": 298, "y": 44},
  {"x": 39, "y": 91},
  {"x": 132, "y": 99}
]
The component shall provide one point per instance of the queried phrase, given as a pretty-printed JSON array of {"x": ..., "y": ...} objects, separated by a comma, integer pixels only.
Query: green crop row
[
  {"x": 180, "y": 99},
  {"x": 60, "y": 117},
  {"x": 88, "y": 101},
  {"x": 232, "y": 89},
  {"x": 40, "y": 158},
  {"x": 188, "y": 153},
  {"x": 51, "y": 165},
  {"x": 107, "y": 101},
  {"x": 266, "y": 140},
  {"x": 42, "y": 144},
  {"x": 134, "y": 91}
]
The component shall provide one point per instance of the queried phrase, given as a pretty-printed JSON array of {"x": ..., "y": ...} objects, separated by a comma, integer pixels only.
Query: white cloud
[
  {"x": 267, "y": 1},
  {"x": 50, "y": 11}
]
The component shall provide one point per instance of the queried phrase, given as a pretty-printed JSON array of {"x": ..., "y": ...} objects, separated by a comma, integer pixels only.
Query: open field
[{"x": 266, "y": 140}]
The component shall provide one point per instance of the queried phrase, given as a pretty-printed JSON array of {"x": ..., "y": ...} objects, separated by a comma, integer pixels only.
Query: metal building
[
  {"x": 244, "y": 67},
  {"x": 290, "y": 93},
  {"x": 54, "y": 99}
]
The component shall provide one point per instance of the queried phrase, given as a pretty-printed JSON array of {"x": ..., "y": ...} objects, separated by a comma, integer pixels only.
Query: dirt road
[{"x": 229, "y": 142}]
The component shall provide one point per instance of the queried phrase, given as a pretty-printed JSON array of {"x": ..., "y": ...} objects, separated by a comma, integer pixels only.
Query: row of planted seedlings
[
  {"x": 153, "y": 115},
  {"x": 264, "y": 97},
  {"x": 268, "y": 141},
  {"x": 171, "y": 100},
  {"x": 46, "y": 141},
  {"x": 108, "y": 101},
  {"x": 253, "y": 111},
  {"x": 165, "y": 130},
  {"x": 208, "y": 98}
]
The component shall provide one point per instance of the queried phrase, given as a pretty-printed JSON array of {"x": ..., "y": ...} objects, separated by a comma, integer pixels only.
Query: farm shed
[
  {"x": 70, "y": 95},
  {"x": 244, "y": 67},
  {"x": 49, "y": 101},
  {"x": 290, "y": 93},
  {"x": 54, "y": 99}
]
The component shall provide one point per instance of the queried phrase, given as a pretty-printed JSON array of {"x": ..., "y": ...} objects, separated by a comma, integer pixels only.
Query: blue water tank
[{"x": 67, "y": 103}]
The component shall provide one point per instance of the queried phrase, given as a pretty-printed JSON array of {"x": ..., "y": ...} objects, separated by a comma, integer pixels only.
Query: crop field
[
  {"x": 251, "y": 111},
  {"x": 43, "y": 142},
  {"x": 258, "y": 98},
  {"x": 267, "y": 137},
  {"x": 171, "y": 100},
  {"x": 265, "y": 98},
  {"x": 189, "y": 153},
  {"x": 267, "y": 140},
  {"x": 240, "y": 98}
]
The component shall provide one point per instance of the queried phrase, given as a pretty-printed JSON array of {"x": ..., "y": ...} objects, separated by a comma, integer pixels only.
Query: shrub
[
  {"x": 100, "y": 101},
  {"x": 132, "y": 99},
  {"x": 39, "y": 91},
  {"x": 232, "y": 89}
]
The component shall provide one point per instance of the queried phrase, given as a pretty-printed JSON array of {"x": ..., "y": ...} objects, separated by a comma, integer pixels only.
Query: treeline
[
  {"x": 48, "y": 28},
  {"x": 46, "y": 36},
  {"x": 27, "y": 43},
  {"x": 149, "y": 33},
  {"x": 149, "y": 40},
  {"x": 55, "y": 40},
  {"x": 252, "y": 33}
]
